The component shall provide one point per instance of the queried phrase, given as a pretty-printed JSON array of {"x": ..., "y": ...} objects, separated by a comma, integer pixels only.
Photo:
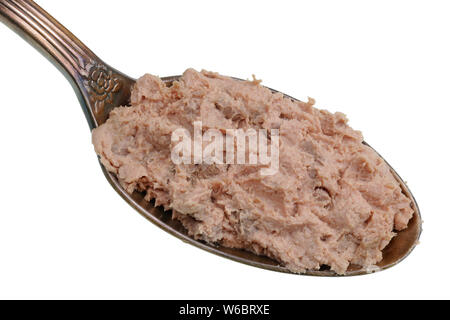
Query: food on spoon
[{"x": 333, "y": 201}]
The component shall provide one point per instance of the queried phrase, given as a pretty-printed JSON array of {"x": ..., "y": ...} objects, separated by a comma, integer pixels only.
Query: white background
[{"x": 64, "y": 233}]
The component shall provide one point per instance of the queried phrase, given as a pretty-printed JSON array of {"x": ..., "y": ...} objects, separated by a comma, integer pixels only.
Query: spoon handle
[{"x": 95, "y": 83}]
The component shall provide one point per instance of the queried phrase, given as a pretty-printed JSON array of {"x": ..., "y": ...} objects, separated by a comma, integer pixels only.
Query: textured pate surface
[{"x": 333, "y": 201}]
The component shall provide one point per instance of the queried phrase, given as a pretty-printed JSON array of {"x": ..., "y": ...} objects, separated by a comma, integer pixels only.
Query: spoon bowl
[{"x": 100, "y": 88}]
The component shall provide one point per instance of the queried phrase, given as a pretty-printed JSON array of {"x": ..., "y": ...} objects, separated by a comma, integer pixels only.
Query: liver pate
[{"x": 332, "y": 202}]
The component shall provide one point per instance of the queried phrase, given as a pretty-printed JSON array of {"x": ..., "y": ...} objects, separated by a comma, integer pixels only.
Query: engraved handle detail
[
  {"x": 98, "y": 86},
  {"x": 102, "y": 85}
]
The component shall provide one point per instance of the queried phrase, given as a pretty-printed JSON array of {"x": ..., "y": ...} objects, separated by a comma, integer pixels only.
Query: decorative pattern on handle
[
  {"x": 101, "y": 88},
  {"x": 102, "y": 84}
]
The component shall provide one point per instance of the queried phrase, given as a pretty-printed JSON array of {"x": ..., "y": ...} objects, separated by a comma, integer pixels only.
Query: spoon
[{"x": 100, "y": 88}]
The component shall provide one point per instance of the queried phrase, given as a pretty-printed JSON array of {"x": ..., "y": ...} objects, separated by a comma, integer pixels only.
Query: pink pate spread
[{"x": 333, "y": 200}]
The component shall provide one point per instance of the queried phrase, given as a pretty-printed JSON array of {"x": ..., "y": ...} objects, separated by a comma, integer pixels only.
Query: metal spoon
[{"x": 101, "y": 88}]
